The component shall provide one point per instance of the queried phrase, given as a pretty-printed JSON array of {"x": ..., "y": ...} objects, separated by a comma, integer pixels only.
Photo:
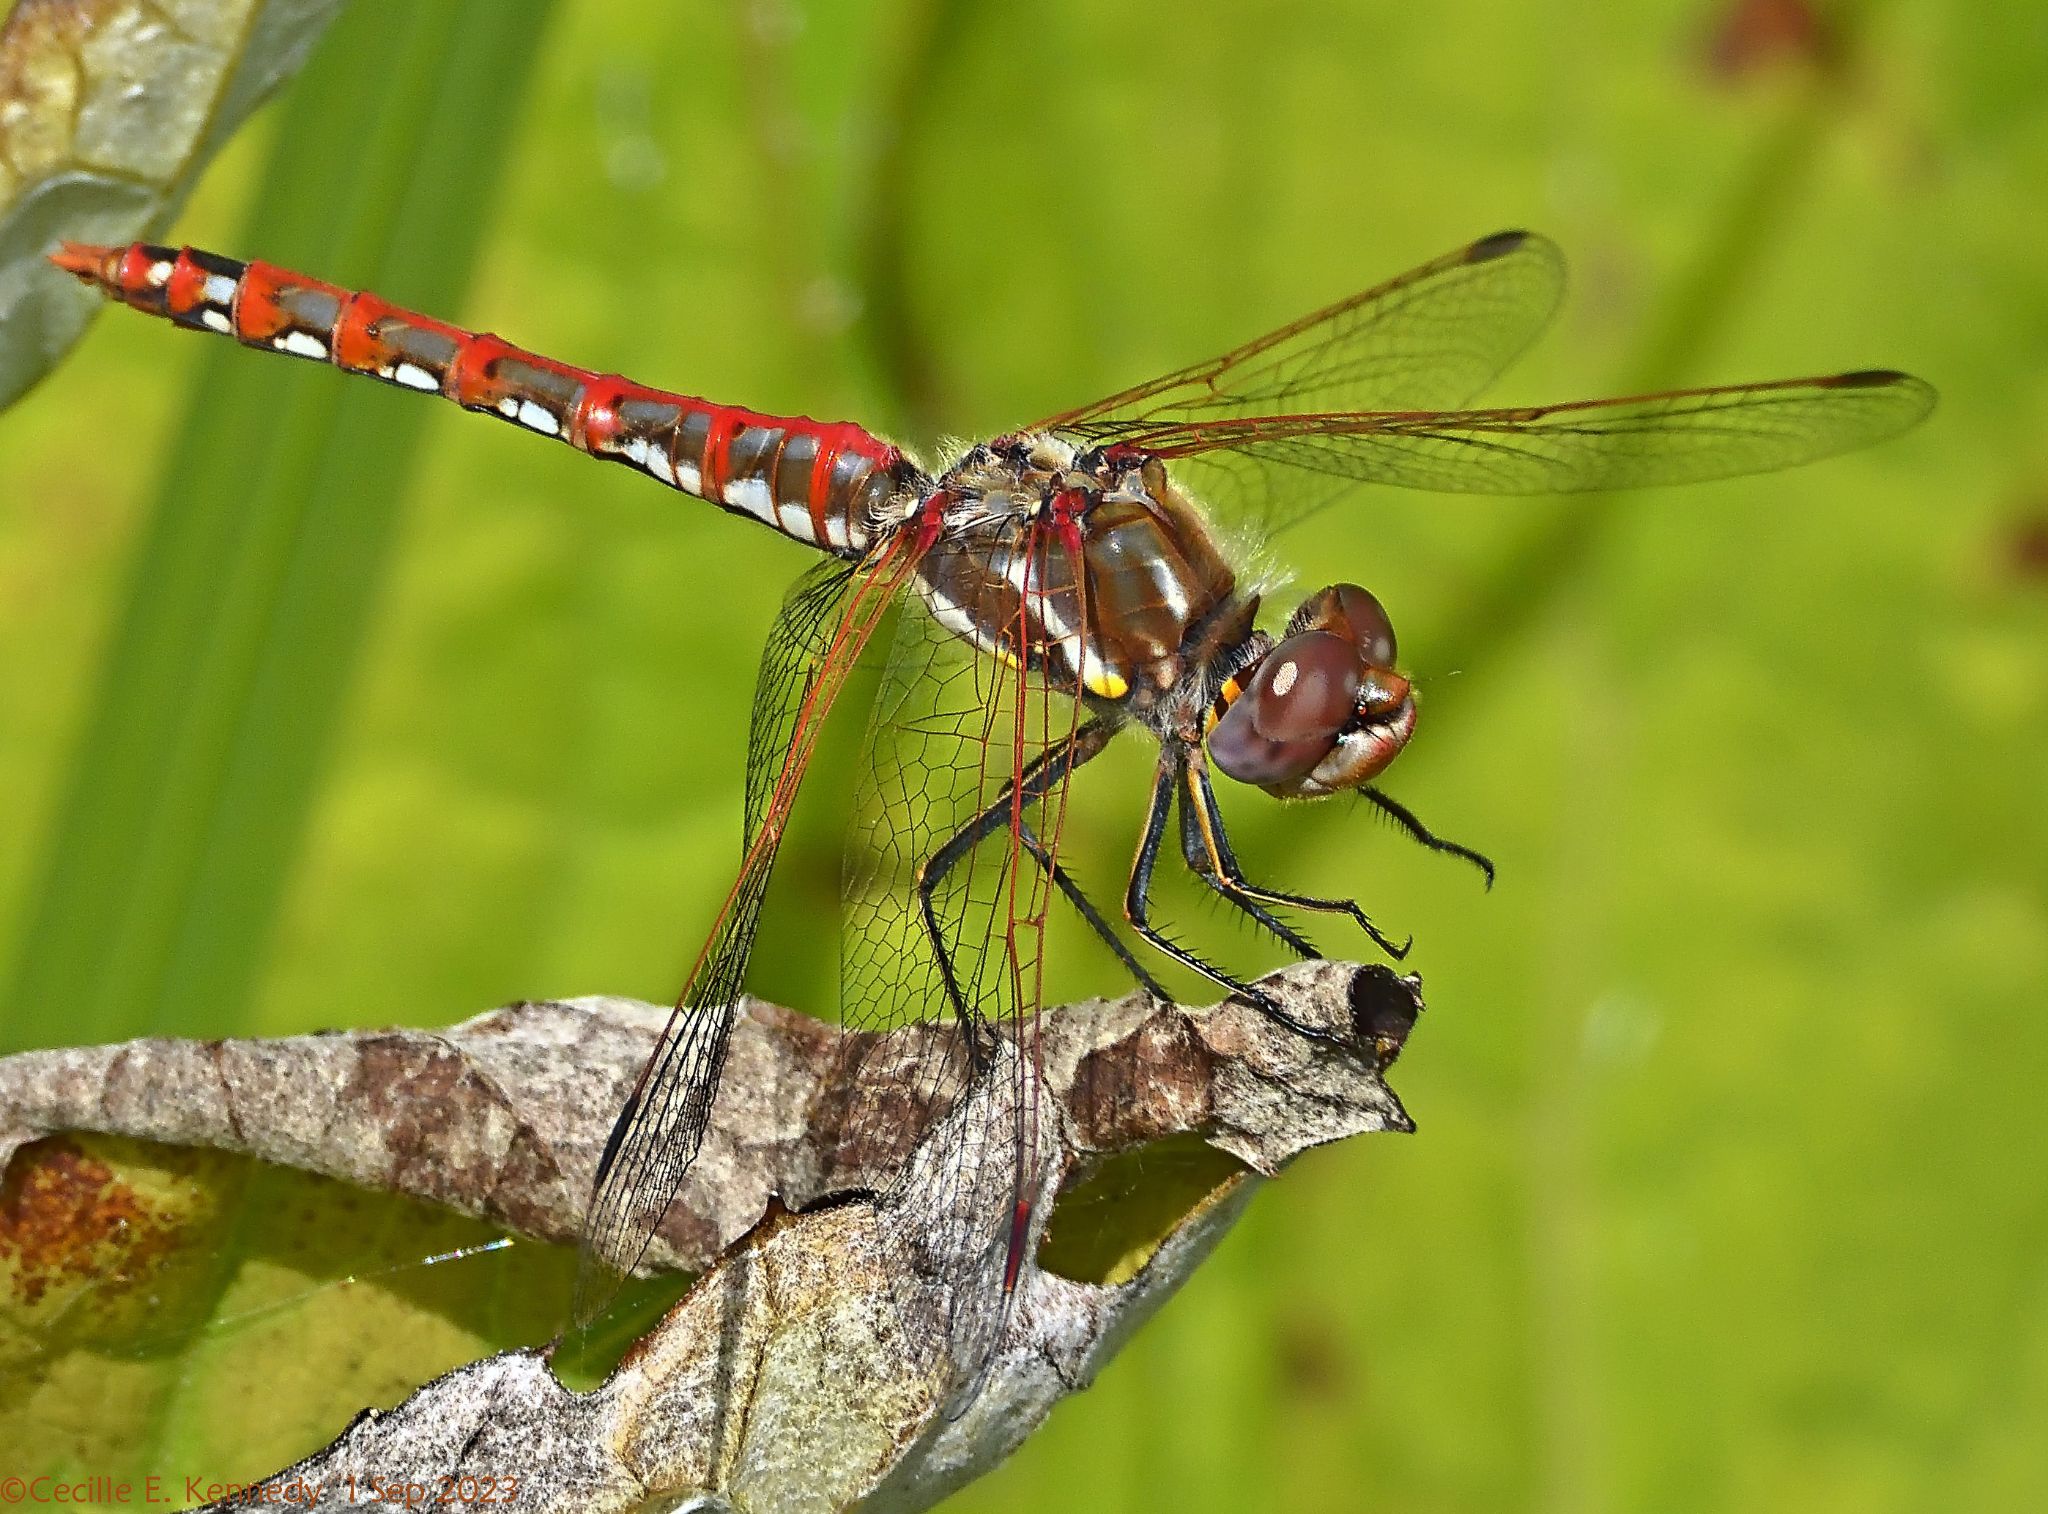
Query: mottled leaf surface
[
  {"x": 109, "y": 109},
  {"x": 197, "y": 1311},
  {"x": 181, "y": 1313}
]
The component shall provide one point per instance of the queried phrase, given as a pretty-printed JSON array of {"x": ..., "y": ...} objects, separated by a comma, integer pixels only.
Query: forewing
[
  {"x": 955, "y": 731},
  {"x": 1431, "y": 338},
  {"x": 1685, "y": 436},
  {"x": 824, "y": 623},
  {"x": 1362, "y": 392}
]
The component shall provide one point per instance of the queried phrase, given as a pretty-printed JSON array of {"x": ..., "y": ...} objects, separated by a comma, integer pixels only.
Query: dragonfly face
[{"x": 1325, "y": 709}]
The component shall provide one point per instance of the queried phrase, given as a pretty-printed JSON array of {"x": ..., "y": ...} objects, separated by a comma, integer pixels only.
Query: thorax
[{"x": 1092, "y": 567}]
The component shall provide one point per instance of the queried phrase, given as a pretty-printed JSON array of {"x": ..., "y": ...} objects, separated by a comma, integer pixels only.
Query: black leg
[
  {"x": 1415, "y": 830},
  {"x": 1194, "y": 850},
  {"x": 1043, "y": 775},
  {"x": 1231, "y": 876},
  {"x": 1137, "y": 900},
  {"x": 1137, "y": 893},
  {"x": 1087, "y": 911}
]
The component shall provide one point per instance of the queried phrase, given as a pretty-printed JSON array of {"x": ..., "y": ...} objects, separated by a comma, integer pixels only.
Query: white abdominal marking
[
  {"x": 648, "y": 453},
  {"x": 752, "y": 496},
  {"x": 301, "y": 344},
  {"x": 1056, "y": 625},
  {"x": 795, "y": 520}
]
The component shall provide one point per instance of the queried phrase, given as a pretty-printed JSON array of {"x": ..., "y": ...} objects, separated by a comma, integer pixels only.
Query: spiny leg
[
  {"x": 1085, "y": 907},
  {"x": 1210, "y": 819},
  {"x": 962, "y": 842},
  {"x": 1137, "y": 902},
  {"x": 1416, "y": 831},
  {"x": 1194, "y": 850},
  {"x": 1051, "y": 768}
]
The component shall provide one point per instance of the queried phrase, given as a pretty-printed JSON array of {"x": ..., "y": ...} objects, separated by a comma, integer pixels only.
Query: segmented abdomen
[{"x": 823, "y": 482}]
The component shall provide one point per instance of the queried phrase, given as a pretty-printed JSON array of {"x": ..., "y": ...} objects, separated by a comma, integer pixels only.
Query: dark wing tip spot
[
  {"x": 1500, "y": 244},
  {"x": 1912, "y": 399}
]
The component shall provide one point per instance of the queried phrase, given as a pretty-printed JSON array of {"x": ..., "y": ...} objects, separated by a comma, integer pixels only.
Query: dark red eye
[
  {"x": 1236, "y": 747},
  {"x": 1351, "y": 612},
  {"x": 1287, "y": 719},
  {"x": 1368, "y": 620},
  {"x": 1307, "y": 686}
]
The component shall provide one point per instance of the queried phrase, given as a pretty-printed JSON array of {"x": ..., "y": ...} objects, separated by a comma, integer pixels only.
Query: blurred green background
[{"x": 325, "y": 709}]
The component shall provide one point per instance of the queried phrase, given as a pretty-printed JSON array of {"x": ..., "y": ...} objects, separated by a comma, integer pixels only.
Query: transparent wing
[
  {"x": 824, "y": 623},
  {"x": 1361, "y": 392},
  {"x": 1433, "y": 337},
  {"x": 1685, "y": 436},
  {"x": 796, "y": 646},
  {"x": 958, "y": 820}
]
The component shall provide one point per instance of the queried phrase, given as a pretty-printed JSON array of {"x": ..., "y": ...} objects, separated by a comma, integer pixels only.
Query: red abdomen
[{"x": 827, "y": 484}]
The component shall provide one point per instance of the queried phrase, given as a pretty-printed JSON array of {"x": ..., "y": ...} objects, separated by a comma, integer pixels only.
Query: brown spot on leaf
[
  {"x": 888, "y": 1089},
  {"x": 434, "y": 1115},
  {"x": 1145, "y": 1086},
  {"x": 66, "y": 1219}
]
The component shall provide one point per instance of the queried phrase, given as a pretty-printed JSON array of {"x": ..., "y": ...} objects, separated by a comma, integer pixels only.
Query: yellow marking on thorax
[{"x": 1225, "y": 698}]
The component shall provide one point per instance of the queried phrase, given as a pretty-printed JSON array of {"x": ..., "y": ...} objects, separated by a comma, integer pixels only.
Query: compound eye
[
  {"x": 1306, "y": 687},
  {"x": 1286, "y": 721},
  {"x": 1236, "y": 747},
  {"x": 1367, "y": 618}
]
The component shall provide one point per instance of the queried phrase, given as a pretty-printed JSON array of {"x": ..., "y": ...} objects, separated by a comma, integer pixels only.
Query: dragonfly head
[{"x": 1325, "y": 709}]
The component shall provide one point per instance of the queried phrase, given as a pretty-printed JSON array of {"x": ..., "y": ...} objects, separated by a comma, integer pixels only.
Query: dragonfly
[{"x": 1050, "y": 590}]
